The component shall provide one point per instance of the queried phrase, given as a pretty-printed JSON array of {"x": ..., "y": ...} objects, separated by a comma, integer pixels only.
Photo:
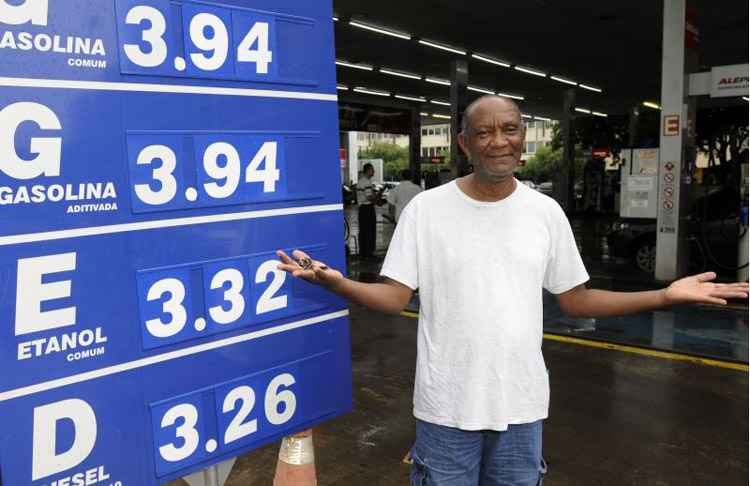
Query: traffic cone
[{"x": 296, "y": 463}]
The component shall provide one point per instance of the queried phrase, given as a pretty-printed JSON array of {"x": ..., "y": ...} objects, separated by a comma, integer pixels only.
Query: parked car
[{"x": 712, "y": 231}]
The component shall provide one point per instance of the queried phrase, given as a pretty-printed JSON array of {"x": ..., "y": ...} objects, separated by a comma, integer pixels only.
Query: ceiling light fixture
[
  {"x": 380, "y": 30},
  {"x": 400, "y": 74},
  {"x": 441, "y": 103},
  {"x": 444, "y": 117},
  {"x": 651, "y": 104},
  {"x": 477, "y": 89},
  {"x": 363, "y": 67},
  {"x": 746, "y": 98},
  {"x": 583, "y": 110},
  {"x": 604, "y": 115},
  {"x": 590, "y": 88},
  {"x": 543, "y": 118},
  {"x": 360, "y": 89},
  {"x": 442, "y": 47},
  {"x": 411, "y": 98},
  {"x": 490, "y": 60},
  {"x": 512, "y": 96},
  {"x": 443, "y": 82},
  {"x": 530, "y": 71},
  {"x": 424, "y": 114},
  {"x": 335, "y": 19},
  {"x": 563, "y": 80},
  {"x": 524, "y": 115},
  {"x": 342, "y": 87}
]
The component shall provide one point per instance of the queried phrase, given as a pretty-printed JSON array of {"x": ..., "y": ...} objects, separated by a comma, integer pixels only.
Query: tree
[{"x": 395, "y": 158}]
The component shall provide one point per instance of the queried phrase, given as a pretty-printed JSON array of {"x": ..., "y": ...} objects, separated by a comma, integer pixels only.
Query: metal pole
[
  {"x": 415, "y": 146},
  {"x": 211, "y": 476},
  {"x": 564, "y": 186},
  {"x": 459, "y": 100}
]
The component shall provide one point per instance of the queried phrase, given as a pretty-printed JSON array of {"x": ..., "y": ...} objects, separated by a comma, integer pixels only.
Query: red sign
[
  {"x": 599, "y": 153},
  {"x": 671, "y": 125}
]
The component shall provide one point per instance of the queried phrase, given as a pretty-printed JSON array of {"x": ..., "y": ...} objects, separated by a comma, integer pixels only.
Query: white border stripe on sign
[
  {"x": 162, "y": 223},
  {"x": 161, "y": 88},
  {"x": 160, "y": 358}
]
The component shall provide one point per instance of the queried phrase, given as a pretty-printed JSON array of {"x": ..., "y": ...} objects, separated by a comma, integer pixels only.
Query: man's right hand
[{"x": 304, "y": 267}]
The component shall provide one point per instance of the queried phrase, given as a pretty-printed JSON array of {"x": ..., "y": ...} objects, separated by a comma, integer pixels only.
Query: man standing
[
  {"x": 480, "y": 249},
  {"x": 367, "y": 225},
  {"x": 404, "y": 192}
]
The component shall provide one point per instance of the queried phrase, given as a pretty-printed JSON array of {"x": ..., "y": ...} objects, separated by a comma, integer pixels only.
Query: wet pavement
[{"x": 616, "y": 418}]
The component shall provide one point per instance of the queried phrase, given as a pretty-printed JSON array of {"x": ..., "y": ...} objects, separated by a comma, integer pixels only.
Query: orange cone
[{"x": 296, "y": 464}]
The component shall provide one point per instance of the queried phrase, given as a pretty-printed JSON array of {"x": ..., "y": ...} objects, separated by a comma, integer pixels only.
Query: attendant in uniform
[{"x": 367, "y": 198}]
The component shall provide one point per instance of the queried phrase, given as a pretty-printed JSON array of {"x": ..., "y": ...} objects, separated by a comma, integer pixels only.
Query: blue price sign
[{"x": 153, "y": 156}]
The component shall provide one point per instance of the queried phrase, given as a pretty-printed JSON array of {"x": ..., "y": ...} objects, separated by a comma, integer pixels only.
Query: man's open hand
[
  {"x": 302, "y": 266},
  {"x": 699, "y": 289}
]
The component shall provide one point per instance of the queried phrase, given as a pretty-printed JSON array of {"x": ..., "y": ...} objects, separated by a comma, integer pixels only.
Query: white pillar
[{"x": 671, "y": 245}]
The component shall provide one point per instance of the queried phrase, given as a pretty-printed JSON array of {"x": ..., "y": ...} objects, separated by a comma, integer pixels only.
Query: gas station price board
[{"x": 153, "y": 156}]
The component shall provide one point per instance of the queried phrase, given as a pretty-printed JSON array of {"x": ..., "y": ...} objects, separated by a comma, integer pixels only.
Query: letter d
[
  {"x": 34, "y": 11},
  {"x": 45, "y": 461}
]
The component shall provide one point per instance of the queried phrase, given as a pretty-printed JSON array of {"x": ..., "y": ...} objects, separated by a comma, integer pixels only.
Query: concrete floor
[{"x": 616, "y": 418}]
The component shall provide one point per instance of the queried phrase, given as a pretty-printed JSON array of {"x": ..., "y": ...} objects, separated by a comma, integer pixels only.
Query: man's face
[
  {"x": 369, "y": 172},
  {"x": 494, "y": 138}
]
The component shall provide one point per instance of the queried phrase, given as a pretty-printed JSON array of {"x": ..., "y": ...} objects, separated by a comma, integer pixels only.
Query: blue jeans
[{"x": 445, "y": 456}]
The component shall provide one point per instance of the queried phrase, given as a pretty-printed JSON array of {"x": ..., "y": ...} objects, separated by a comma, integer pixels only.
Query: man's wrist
[{"x": 664, "y": 300}]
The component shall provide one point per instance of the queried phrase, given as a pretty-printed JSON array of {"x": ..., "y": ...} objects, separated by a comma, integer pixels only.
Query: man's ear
[{"x": 462, "y": 144}]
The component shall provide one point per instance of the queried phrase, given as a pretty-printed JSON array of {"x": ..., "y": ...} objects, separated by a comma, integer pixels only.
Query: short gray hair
[{"x": 473, "y": 104}]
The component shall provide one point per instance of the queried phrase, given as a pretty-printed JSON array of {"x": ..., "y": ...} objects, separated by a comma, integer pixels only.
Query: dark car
[{"x": 712, "y": 232}]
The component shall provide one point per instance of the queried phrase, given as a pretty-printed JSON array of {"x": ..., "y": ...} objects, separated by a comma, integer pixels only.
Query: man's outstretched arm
[
  {"x": 696, "y": 289},
  {"x": 389, "y": 296}
]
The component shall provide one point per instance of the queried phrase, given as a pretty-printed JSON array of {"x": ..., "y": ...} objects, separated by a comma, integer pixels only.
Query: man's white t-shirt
[
  {"x": 480, "y": 268},
  {"x": 365, "y": 189},
  {"x": 400, "y": 196}
]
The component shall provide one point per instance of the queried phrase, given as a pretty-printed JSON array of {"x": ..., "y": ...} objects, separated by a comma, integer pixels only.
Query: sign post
[{"x": 154, "y": 154}]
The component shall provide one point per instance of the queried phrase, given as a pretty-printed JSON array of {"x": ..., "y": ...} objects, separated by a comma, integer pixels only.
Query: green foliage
[
  {"x": 546, "y": 163},
  {"x": 395, "y": 158}
]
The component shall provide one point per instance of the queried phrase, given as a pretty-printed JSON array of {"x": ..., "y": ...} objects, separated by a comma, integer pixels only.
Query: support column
[
  {"x": 673, "y": 172},
  {"x": 459, "y": 101},
  {"x": 565, "y": 178},
  {"x": 415, "y": 146},
  {"x": 633, "y": 116}
]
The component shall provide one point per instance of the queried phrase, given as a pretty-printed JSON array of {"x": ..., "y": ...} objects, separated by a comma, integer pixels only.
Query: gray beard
[{"x": 493, "y": 177}]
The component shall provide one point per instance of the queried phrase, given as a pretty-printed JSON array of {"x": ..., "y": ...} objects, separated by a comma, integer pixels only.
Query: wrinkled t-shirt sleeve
[
  {"x": 565, "y": 268},
  {"x": 401, "y": 261}
]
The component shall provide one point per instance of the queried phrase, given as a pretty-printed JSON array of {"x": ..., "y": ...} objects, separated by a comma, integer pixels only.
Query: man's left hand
[{"x": 699, "y": 289}]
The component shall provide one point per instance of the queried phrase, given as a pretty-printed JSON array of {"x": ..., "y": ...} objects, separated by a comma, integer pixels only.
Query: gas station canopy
[{"x": 610, "y": 51}]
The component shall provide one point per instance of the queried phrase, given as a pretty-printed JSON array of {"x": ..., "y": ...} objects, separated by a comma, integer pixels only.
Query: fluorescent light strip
[
  {"x": 335, "y": 19},
  {"x": 400, "y": 74},
  {"x": 583, "y": 110},
  {"x": 363, "y": 67},
  {"x": 342, "y": 87},
  {"x": 515, "y": 97},
  {"x": 543, "y": 118},
  {"x": 590, "y": 88},
  {"x": 524, "y": 115},
  {"x": 424, "y": 114},
  {"x": 444, "y": 117},
  {"x": 651, "y": 104},
  {"x": 746, "y": 98},
  {"x": 604, "y": 115},
  {"x": 380, "y": 30},
  {"x": 490, "y": 60},
  {"x": 371, "y": 91},
  {"x": 443, "y": 82},
  {"x": 438, "y": 102},
  {"x": 442, "y": 47},
  {"x": 411, "y": 98},
  {"x": 530, "y": 71},
  {"x": 563, "y": 80},
  {"x": 480, "y": 90}
]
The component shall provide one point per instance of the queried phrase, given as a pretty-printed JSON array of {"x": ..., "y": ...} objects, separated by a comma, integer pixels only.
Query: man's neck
[{"x": 481, "y": 189}]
